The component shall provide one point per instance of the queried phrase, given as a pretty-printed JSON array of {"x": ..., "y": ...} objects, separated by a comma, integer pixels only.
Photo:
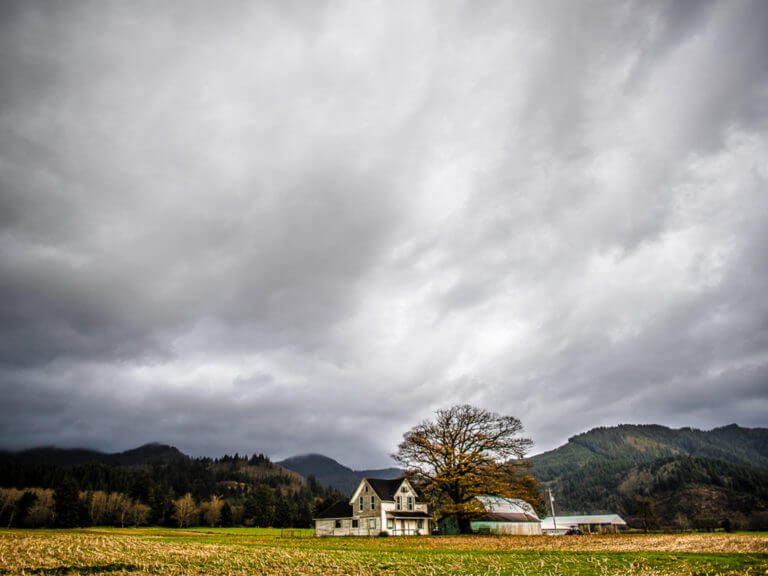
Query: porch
[{"x": 408, "y": 523}]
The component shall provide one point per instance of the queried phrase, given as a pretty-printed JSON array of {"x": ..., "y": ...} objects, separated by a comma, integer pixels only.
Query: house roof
[
  {"x": 338, "y": 510},
  {"x": 564, "y": 522},
  {"x": 403, "y": 514},
  {"x": 385, "y": 489}
]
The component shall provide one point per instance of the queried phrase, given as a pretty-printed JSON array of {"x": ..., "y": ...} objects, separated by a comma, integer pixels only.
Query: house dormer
[
  {"x": 384, "y": 490},
  {"x": 405, "y": 496}
]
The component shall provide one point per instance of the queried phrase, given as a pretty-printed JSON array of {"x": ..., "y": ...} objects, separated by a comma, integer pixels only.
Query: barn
[
  {"x": 510, "y": 516},
  {"x": 589, "y": 523}
]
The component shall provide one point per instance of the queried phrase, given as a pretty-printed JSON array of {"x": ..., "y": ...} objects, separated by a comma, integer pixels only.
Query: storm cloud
[{"x": 287, "y": 227}]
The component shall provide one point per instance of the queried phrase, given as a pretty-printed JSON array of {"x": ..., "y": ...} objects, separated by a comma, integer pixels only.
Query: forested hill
[
  {"x": 153, "y": 484},
  {"x": 93, "y": 470},
  {"x": 643, "y": 443},
  {"x": 146, "y": 454},
  {"x": 692, "y": 476},
  {"x": 330, "y": 473}
]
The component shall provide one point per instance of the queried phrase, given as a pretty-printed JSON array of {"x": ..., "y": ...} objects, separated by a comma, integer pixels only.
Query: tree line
[{"x": 230, "y": 491}]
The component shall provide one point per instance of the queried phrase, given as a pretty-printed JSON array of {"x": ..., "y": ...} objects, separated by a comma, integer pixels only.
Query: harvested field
[
  {"x": 615, "y": 543},
  {"x": 176, "y": 552}
]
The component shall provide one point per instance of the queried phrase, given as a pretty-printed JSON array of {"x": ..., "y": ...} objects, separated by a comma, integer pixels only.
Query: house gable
[
  {"x": 360, "y": 491},
  {"x": 405, "y": 497},
  {"x": 406, "y": 488},
  {"x": 384, "y": 489}
]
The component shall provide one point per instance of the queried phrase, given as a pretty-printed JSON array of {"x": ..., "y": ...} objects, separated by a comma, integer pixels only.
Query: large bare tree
[{"x": 464, "y": 452}]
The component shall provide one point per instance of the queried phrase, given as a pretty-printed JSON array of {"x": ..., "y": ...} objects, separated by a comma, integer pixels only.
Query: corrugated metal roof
[
  {"x": 575, "y": 521},
  {"x": 508, "y": 517},
  {"x": 497, "y": 504}
]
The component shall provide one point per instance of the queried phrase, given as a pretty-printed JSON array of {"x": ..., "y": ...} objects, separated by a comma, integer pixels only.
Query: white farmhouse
[{"x": 377, "y": 505}]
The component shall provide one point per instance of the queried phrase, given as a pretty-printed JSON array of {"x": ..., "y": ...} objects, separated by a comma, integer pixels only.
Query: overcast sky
[{"x": 291, "y": 227}]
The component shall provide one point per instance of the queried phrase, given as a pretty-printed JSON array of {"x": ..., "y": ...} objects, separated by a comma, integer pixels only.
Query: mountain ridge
[
  {"x": 141, "y": 455},
  {"x": 702, "y": 476},
  {"x": 330, "y": 472}
]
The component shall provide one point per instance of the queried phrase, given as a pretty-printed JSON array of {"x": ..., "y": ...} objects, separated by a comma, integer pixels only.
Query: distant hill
[
  {"x": 330, "y": 473},
  {"x": 233, "y": 476},
  {"x": 255, "y": 491},
  {"x": 146, "y": 454},
  {"x": 56, "y": 456},
  {"x": 695, "y": 476}
]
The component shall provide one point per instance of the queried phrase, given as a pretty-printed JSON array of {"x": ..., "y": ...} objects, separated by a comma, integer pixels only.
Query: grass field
[{"x": 251, "y": 551}]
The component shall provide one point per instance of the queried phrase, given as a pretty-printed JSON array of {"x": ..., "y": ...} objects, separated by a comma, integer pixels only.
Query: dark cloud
[{"x": 281, "y": 228}]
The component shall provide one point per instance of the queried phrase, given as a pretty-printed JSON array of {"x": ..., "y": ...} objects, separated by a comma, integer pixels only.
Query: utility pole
[{"x": 552, "y": 506}]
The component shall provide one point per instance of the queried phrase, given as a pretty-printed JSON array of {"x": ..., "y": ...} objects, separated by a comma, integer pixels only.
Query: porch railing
[{"x": 407, "y": 531}]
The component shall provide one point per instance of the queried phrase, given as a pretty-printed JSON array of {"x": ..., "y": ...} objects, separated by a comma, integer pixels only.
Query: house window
[
  {"x": 420, "y": 524},
  {"x": 390, "y": 524},
  {"x": 372, "y": 523},
  {"x": 410, "y": 502},
  {"x": 403, "y": 488},
  {"x": 398, "y": 503},
  {"x": 355, "y": 523},
  {"x": 337, "y": 524},
  {"x": 361, "y": 503},
  {"x": 373, "y": 502}
]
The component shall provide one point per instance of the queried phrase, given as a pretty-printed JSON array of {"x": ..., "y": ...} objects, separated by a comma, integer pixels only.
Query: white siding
[{"x": 327, "y": 527}]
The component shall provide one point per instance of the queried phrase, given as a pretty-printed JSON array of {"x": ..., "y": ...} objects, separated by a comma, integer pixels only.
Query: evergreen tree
[
  {"x": 83, "y": 509},
  {"x": 141, "y": 487},
  {"x": 226, "y": 515},
  {"x": 23, "y": 506},
  {"x": 251, "y": 512},
  {"x": 303, "y": 514},
  {"x": 67, "y": 503},
  {"x": 265, "y": 506},
  {"x": 283, "y": 515},
  {"x": 314, "y": 487},
  {"x": 163, "y": 508}
]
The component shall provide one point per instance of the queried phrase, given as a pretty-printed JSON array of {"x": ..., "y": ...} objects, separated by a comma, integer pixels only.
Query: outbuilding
[
  {"x": 600, "y": 523},
  {"x": 511, "y": 516}
]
